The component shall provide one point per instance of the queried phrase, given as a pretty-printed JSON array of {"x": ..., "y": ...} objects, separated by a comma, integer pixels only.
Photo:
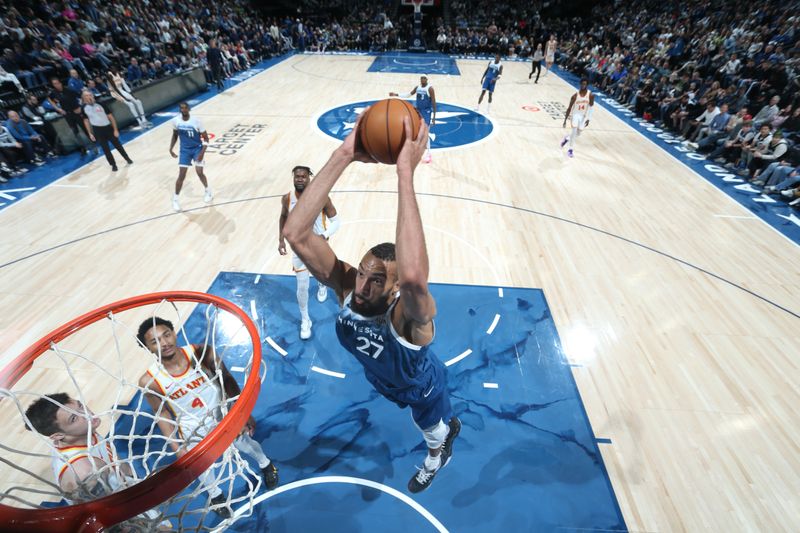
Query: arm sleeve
[{"x": 333, "y": 226}]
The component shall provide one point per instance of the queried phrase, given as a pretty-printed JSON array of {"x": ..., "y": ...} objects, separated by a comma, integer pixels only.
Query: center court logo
[{"x": 455, "y": 126}]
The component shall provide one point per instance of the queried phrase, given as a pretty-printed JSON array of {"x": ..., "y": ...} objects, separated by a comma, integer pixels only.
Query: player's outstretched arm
[
  {"x": 416, "y": 305},
  {"x": 314, "y": 250},
  {"x": 411, "y": 93}
]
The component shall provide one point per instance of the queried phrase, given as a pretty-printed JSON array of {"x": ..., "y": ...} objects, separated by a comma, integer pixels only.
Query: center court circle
[{"x": 455, "y": 126}]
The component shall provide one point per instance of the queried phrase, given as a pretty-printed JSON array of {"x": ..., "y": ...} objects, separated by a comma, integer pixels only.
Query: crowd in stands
[
  {"x": 109, "y": 49},
  {"x": 721, "y": 76}
]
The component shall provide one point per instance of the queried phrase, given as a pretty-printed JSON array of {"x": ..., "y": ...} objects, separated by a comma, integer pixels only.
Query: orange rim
[{"x": 148, "y": 493}]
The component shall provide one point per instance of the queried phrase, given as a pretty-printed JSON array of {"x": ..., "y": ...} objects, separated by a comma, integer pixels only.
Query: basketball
[{"x": 381, "y": 130}]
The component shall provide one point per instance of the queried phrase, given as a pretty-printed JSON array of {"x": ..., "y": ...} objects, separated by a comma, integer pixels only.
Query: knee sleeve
[
  {"x": 249, "y": 446},
  {"x": 435, "y": 435}
]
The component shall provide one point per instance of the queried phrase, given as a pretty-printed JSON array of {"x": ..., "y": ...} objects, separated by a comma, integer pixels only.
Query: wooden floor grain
[{"x": 684, "y": 321}]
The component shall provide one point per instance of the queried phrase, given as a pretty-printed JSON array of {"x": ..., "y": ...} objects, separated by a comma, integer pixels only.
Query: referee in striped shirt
[{"x": 102, "y": 128}]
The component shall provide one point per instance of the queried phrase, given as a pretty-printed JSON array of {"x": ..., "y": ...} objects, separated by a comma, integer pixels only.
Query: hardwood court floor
[{"x": 681, "y": 311}]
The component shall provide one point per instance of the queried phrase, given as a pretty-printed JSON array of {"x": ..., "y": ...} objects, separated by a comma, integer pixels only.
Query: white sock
[
  {"x": 572, "y": 137},
  {"x": 432, "y": 464},
  {"x": 302, "y": 293}
]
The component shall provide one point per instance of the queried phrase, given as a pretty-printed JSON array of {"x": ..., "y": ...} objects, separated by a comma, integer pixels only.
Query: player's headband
[{"x": 302, "y": 167}]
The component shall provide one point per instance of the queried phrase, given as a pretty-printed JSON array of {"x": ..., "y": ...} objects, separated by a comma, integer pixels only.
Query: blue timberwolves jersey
[
  {"x": 399, "y": 370},
  {"x": 423, "y": 97},
  {"x": 494, "y": 70},
  {"x": 188, "y": 132}
]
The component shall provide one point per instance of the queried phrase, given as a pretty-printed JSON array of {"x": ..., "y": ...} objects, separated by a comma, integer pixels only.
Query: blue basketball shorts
[
  {"x": 187, "y": 155},
  {"x": 426, "y": 113}
]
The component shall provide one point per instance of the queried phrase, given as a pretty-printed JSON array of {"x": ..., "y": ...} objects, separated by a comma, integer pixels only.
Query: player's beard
[{"x": 367, "y": 308}]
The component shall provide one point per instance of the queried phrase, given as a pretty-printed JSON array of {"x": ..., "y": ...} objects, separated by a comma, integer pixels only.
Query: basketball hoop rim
[{"x": 155, "y": 489}]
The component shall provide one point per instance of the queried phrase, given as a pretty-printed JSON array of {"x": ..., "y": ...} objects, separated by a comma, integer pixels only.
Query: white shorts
[
  {"x": 578, "y": 120},
  {"x": 297, "y": 264},
  {"x": 549, "y": 59},
  {"x": 192, "y": 430}
]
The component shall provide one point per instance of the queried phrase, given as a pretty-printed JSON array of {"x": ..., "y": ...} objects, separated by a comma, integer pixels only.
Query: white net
[{"x": 100, "y": 411}]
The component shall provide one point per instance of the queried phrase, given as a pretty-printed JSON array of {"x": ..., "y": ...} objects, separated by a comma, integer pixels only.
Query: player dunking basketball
[
  {"x": 550, "y": 54},
  {"x": 490, "y": 76},
  {"x": 386, "y": 320},
  {"x": 325, "y": 225},
  {"x": 426, "y": 105},
  {"x": 194, "y": 140},
  {"x": 581, "y": 106},
  {"x": 185, "y": 379}
]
